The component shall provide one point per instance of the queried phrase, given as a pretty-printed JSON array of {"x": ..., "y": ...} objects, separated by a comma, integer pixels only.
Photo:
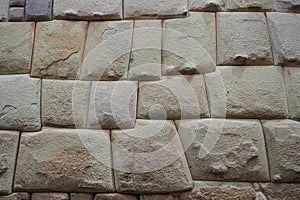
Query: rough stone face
[
  {"x": 284, "y": 31},
  {"x": 20, "y": 103},
  {"x": 15, "y": 60},
  {"x": 8, "y": 152},
  {"x": 251, "y": 92},
  {"x": 249, "y": 5},
  {"x": 107, "y": 50},
  {"x": 283, "y": 143},
  {"x": 219, "y": 149},
  {"x": 112, "y": 105},
  {"x": 39, "y": 10},
  {"x": 4, "y": 7},
  {"x": 89, "y": 10},
  {"x": 174, "y": 97},
  {"x": 207, "y": 5},
  {"x": 287, "y": 6},
  {"x": 17, "y": 3},
  {"x": 50, "y": 196},
  {"x": 149, "y": 159},
  {"x": 115, "y": 196},
  {"x": 81, "y": 196},
  {"x": 197, "y": 32},
  {"x": 64, "y": 160},
  {"x": 243, "y": 39},
  {"x": 16, "y": 196},
  {"x": 58, "y": 49},
  {"x": 16, "y": 14},
  {"x": 281, "y": 191}
]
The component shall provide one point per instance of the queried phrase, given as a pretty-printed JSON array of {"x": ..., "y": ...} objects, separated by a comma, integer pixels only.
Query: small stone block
[
  {"x": 4, "y": 9},
  {"x": 81, "y": 196},
  {"x": 115, "y": 196},
  {"x": 16, "y": 196},
  {"x": 50, "y": 196},
  {"x": 38, "y": 10},
  {"x": 16, "y": 14},
  {"x": 292, "y": 6},
  {"x": 207, "y": 5},
  {"x": 249, "y": 5},
  {"x": 17, "y": 3}
]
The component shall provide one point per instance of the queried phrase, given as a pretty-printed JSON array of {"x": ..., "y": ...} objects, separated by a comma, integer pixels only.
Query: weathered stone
[
  {"x": 16, "y": 3},
  {"x": 16, "y": 14},
  {"x": 107, "y": 50},
  {"x": 173, "y": 196},
  {"x": 64, "y": 160},
  {"x": 284, "y": 31},
  {"x": 145, "y": 60},
  {"x": 243, "y": 39},
  {"x": 4, "y": 7},
  {"x": 65, "y": 103},
  {"x": 8, "y": 152},
  {"x": 251, "y": 92},
  {"x": 249, "y": 5},
  {"x": 219, "y": 149},
  {"x": 149, "y": 159},
  {"x": 189, "y": 45},
  {"x": 260, "y": 196},
  {"x": 20, "y": 103},
  {"x": 287, "y": 6},
  {"x": 283, "y": 143},
  {"x": 38, "y": 10},
  {"x": 89, "y": 10},
  {"x": 207, "y": 5},
  {"x": 58, "y": 49},
  {"x": 16, "y": 46},
  {"x": 50, "y": 196},
  {"x": 16, "y": 196},
  {"x": 281, "y": 191},
  {"x": 145, "y": 9},
  {"x": 174, "y": 97},
  {"x": 112, "y": 105},
  {"x": 81, "y": 196},
  {"x": 115, "y": 196}
]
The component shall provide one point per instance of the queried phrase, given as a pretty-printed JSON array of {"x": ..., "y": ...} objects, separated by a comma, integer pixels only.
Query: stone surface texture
[
  {"x": 115, "y": 196},
  {"x": 249, "y": 5},
  {"x": 16, "y": 196},
  {"x": 50, "y": 196},
  {"x": 16, "y": 14},
  {"x": 39, "y": 10},
  {"x": 17, "y": 3},
  {"x": 281, "y": 191},
  {"x": 207, "y": 5},
  {"x": 81, "y": 196},
  {"x": 4, "y": 8},
  {"x": 287, "y": 6}
]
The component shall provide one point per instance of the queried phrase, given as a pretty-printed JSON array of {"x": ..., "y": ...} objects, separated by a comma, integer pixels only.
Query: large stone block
[
  {"x": 4, "y": 7},
  {"x": 283, "y": 143},
  {"x": 39, "y": 10},
  {"x": 16, "y": 196},
  {"x": 174, "y": 97},
  {"x": 287, "y": 6},
  {"x": 251, "y": 92},
  {"x": 281, "y": 191},
  {"x": 9, "y": 141},
  {"x": 189, "y": 45},
  {"x": 20, "y": 103},
  {"x": 115, "y": 196},
  {"x": 16, "y": 46},
  {"x": 58, "y": 49},
  {"x": 207, "y": 5},
  {"x": 149, "y": 159},
  {"x": 284, "y": 31},
  {"x": 64, "y": 160},
  {"x": 249, "y": 5},
  {"x": 243, "y": 39},
  {"x": 50, "y": 196},
  {"x": 16, "y": 14},
  {"x": 219, "y": 149}
]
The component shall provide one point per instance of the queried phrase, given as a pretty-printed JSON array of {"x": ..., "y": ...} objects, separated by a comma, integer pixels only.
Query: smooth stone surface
[
  {"x": 287, "y": 6},
  {"x": 38, "y": 10},
  {"x": 16, "y": 196},
  {"x": 16, "y": 3},
  {"x": 58, "y": 49},
  {"x": 283, "y": 143},
  {"x": 115, "y": 196},
  {"x": 281, "y": 191},
  {"x": 20, "y": 103},
  {"x": 207, "y": 5},
  {"x": 4, "y": 8},
  {"x": 249, "y": 5},
  {"x": 50, "y": 196},
  {"x": 16, "y": 14},
  {"x": 81, "y": 196},
  {"x": 243, "y": 39}
]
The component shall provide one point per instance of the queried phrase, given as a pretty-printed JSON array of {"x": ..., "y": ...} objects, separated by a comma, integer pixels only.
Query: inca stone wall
[{"x": 149, "y": 100}]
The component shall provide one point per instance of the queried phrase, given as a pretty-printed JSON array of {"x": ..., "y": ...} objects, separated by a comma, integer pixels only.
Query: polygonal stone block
[
  {"x": 16, "y": 14},
  {"x": 287, "y": 6},
  {"x": 16, "y": 196},
  {"x": 50, "y": 196},
  {"x": 17, "y": 3},
  {"x": 38, "y": 10},
  {"x": 249, "y": 5},
  {"x": 115, "y": 196},
  {"x": 275, "y": 191},
  {"x": 81, "y": 196},
  {"x": 4, "y": 8},
  {"x": 207, "y": 5}
]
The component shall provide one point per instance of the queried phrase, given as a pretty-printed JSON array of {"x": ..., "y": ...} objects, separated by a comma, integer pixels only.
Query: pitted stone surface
[
  {"x": 197, "y": 32},
  {"x": 283, "y": 143},
  {"x": 20, "y": 103},
  {"x": 251, "y": 92},
  {"x": 249, "y": 5},
  {"x": 4, "y": 7},
  {"x": 16, "y": 46},
  {"x": 38, "y": 10},
  {"x": 174, "y": 97},
  {"x": 64, "y": 160},
  {"x": 243, "y": 39},
  {"x": 16, "y": 196},
  {"x": 16, "y": 14},
  {"x": 149, "y": 159},
  {"x": 65, "y": 103},
  {"x": 50, "y": 196},
  {"x": 17, "y": 3},
  {"x": 284, "y": 31},
  {"x": 107, "y": 51},
  {"x": 239, "y": 153},
  {"x": 58, "y": 49},
  {"x": 8, "y": 152},
  {"x": 115, "y": 196},
  {"x": 287, "y": 6},
  {"x": 281, "y": 191},
  {"x": 81, "y": 196},
  {"x": 207, "y": 5}
]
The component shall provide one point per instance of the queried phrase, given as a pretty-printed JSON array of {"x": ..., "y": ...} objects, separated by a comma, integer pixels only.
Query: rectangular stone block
[
  {"x": 38, "y": 10},
  {"x": 249, "y": 5},
  {"x": 207, "y": 5},
  {"x": 81, "y": 196},
  {"x": 16, "y": 3},
  {"x": 219, "y": 149},
  {"x": 50, "y": 196},
  {"x": 58, "y": 49},
  {"x": 4, "y": 8},
  {"x": 243, "y": 39},
  {"x": 16, "y": 196},
  {"x": 275, "y": 191},
  {"x": 115, "y": 196},
  {"x": 16, "y": 14},
  {"x": 287, "y": 6}
]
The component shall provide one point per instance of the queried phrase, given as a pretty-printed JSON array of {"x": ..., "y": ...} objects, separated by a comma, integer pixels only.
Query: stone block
[
  {"x": 281, "y": 191},
  {"x": 207, "y": 5},
  {"x": 4, "y": 8},
  {"x": 284, "y": 31},
  {"x": 243, "y": 39},
  {"x": 38, "y": 10},
  {"x": 20, "y": 103},
  {"x": 50, "y": 196},
  {"x": 149, "y": 159},
  {"x": 173, "y": 97},
  {"x": 249, "y": 5},
  {"x": 16, "y": 196},
  {"x": 58, "y": 49},
  {"x": 189, "y": 45},
  {"x": 287, "y": 6},
  {"x": 81, "y": 196},
  {"x": 16, "y": 3},
  {"x": 283, "y": 143},
  {"x": 115, "y": 196},
  {"x": 88, "y": 10},
  {"x": 112, "y": 105},
  {"x": 16, "y": 14}
]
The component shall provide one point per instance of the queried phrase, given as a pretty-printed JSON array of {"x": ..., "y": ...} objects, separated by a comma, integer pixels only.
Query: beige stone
[
  {"x": 115, "y": 196},
  {"x": 50, "y": 196},
  {"x": 249, "y": 5},
  {"x": 16, "y": 196},
  {"x": 207, "y": 5},
  {"x": 81, "y": 196},
  {"x": 281, "y": 191}
]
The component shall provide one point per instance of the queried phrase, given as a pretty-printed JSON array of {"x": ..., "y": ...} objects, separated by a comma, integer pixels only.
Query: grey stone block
[
  {"x": 4, "y": 8},
  {"x": 50, "y": 196},
  {"x": 287, "y": 6},
  {"x": 207, "y": 5},
  {"x": 16, "y": 14},
  {"x": 277, "y": 191},
  {"x": 38, "y": 10},
  {"x": 249, "y": 5},
  {"x": 16, "y": 3},
  {"x": 81, "y": 196},
  {"x": 115, "y": 196},
  {"x": 16, "y": 196}
]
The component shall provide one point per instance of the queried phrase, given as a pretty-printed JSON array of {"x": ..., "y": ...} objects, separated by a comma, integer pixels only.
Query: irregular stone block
[
  {"x": 101, "y": 61},
  {"x": 249, "y": 5},
  {"x": 82, "y": 196},
  {"x": 50, "y": 196},
  {"x": 251, "y": 92},
  {"x": 38, "y": 10},
  {"x": 189, "y": 45},
  {"x": 65, "y": 103},
  {"x": 16, "y": 14},
  {"x": 4, "y": 7},
  {"x": 64, "y": 160},
  {"x": 283, "y": 143},
  {"x": 88, "y": 10},
  {"x": 145, "y": 60},
  {"x": 281, "y": 191},
  {"x": 20, "y": 103},
  {"x": 58, "y": 49},
  {"x": 219, "y": 149},
  {"x": 16, "y": 46},
  {"x": 284, "y": 31},
  {"x": 207, "y": 5},
  {"x": 287, "y": 6},
  {"x": 149, "y": 159},
  {"x": 174, "y": 97},
  {"x": 16, "y": 196},
  {"x": 243, "y": 39},
  {"x": 145, "y": 9},
  {"x": 16, "y": 3},
  {"x": 115, "y": 196},
  {"x": 112, "y": 105},
  {"x": 9, "y": 141}
]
